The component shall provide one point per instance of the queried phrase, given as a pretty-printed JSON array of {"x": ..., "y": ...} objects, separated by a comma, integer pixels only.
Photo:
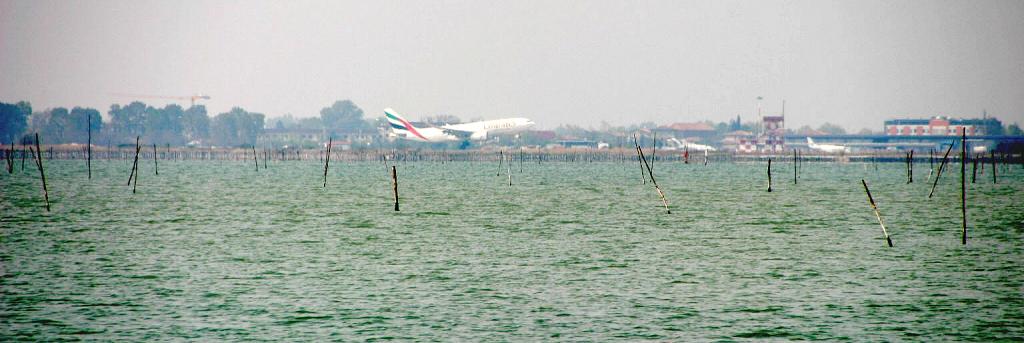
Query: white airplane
[
  {"x": 829, "y": 148},
  {"x": 404, "y": 129},
  {"x": 675, "y": 144}
]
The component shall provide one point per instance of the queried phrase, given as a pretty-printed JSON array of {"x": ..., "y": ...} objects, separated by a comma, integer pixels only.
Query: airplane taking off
[
  {"x": 826, "y": 147},
  {"x": 480, "y": 130}
]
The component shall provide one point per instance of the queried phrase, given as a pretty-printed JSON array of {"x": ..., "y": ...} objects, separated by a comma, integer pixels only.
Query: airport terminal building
[{"x": 942, "y": 126}]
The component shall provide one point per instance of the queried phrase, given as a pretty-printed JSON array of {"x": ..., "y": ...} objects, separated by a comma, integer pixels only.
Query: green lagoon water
[{"x": 572, "y": 251}]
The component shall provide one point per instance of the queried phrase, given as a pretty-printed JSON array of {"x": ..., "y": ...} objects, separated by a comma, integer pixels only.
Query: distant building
[
  {"x": 740, "y": 141},
  {"x": 578, "y": 143},
  {"x": 687, "y": 130},
  {"x": 773, "y": 137},
  {"x": 942, "y": 126}
]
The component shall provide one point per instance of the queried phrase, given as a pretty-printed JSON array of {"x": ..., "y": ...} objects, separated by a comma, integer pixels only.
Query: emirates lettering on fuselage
[{"x": 498, "y": 126}]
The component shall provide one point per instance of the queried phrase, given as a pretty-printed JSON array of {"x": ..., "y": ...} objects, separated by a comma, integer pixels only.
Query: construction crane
[{"x": 191, "y": 98}]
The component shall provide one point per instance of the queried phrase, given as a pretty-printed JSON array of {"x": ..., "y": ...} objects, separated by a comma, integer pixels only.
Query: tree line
[{"x": 171, "y": 124}]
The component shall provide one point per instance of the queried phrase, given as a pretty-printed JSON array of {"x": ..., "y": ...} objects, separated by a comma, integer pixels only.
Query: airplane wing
[{"x": 457, "y": 133}]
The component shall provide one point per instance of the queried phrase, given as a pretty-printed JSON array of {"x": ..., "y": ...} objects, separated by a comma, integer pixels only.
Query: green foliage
[
  {"x": 58, "y": 126},
  {"x": 1014, "y": 130},
  {"x": 236, "y": 128},
  {"x": 13, "y": 120},
  {"x": 343, "y": 116},
  {"x": 195, "y": 124}
]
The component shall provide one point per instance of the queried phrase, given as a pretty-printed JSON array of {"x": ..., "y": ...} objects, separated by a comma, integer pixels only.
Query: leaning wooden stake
[
  {"x": 138, "y": 148},
  {"x": 963, "y": 183},
  {"x": 394, "y": 183},
  {"x": 134, "y": 164},
  {"x": 661, "y": 194},
  {"x": 877, "y": 215},
  {"x": 641, "y": 163},
  {"x": 769, "y": 175},
  {"x": 327, "y": 162},
  {"x": 501, "y": 158},
  {"x": 939, "y": 173},
  {"x": 42, "y": 174}
]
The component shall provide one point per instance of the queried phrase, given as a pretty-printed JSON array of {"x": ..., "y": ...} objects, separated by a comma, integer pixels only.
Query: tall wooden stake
[
  {"x": 255, "y": 158},
  {"x": 769, "y": 174},
  {"x": 939, "y": 173},
  {"x": 963, "y": 183},
  {"x": 910, "y": 167},
  {"x": 877, "y": 215},
  {"x": 42, "y": 174},
  {"x": 994, "y": 172},
  {"x": 974, "y": 169},
  {"x": 156, "y": 168},
  {"x": 501, "y": 158},
  {"x": 88, "y": 159},
  {"x": 794, "y": 166},
  {"x": 394, "y": 183}
]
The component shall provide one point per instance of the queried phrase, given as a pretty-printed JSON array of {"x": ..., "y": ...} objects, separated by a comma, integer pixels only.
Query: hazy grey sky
[{"x": 855, "y": 63}]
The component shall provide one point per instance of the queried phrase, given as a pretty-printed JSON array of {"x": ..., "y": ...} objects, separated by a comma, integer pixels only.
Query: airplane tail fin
[
  {"x": 401, "y": 125},
  {"x": 397, "y": 122},
  {"x": 810, "y": 142}
]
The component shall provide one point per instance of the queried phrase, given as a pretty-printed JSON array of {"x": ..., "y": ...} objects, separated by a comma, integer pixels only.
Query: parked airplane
[
  {"x": 480, "y": 130},
  {"x": 675, "y": 144},
  {"x": 826, "y": 147}
]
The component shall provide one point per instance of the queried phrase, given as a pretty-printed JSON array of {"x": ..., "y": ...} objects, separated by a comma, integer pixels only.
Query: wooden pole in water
[
  {"x": 508, "y": 166},
  {"x": 135, "y": 165},
  {"x": 974, "y": 169},
  {"x": 132, "y": 175},
  {"x": 156, "y": 168},
  {"x": 394, "y": 183},
  {"x": 877, "y": 215},
  {"x": 501, "y": 158},
  {"x": 963, "y": 183},
  {"x": 661, "y": 194},
  {"x": 931, "y": 164},
  {"x": 42, "y": 174},
  {"x": 10, "y": 159},
  {"x": 769, "y": 175},
  {"x": 255, "y": 158},
  {"x": 910, "y": 167},
  {"x": 939, "y": 173},
  {"x": 88, "y": 159},
  {"x": 24, "y": 151},
  {"x": 794, "y": 166},
  {"x": 520, "y": 160},
  {"x": 994, "y": 168},
  {"x": 639, "y": 160},
  {"x": 327, "y": 163}
]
